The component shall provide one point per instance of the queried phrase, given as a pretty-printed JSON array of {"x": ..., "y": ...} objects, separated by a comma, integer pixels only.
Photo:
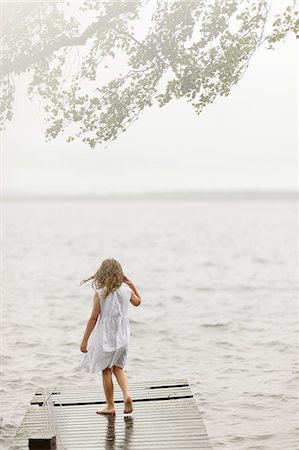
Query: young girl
[{"x": 106, "y": 337}]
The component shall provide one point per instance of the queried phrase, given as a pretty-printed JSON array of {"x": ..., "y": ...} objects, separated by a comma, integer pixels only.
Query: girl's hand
[
  {"x": 126, "y": 280},
  {"x": 83, "y": 347}
]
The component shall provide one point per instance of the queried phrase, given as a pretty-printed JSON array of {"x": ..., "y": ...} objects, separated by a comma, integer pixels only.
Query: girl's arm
[
  {"x": 136, "y": 297},
  {"x": 91, "y": 322}
]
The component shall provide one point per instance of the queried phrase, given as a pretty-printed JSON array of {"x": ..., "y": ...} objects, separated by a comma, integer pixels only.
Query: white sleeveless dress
[{"x": 107, "y": 345}]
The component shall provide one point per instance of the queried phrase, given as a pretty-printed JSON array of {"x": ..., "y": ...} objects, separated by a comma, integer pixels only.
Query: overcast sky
[{"x": 244, "y": 141}]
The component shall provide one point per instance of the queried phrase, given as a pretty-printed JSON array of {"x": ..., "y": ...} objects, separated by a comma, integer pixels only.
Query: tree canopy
[{"x": 98, "y": 65}]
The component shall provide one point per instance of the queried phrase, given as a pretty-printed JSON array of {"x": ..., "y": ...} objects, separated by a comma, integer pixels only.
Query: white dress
[{"x": 107, "y": 345}]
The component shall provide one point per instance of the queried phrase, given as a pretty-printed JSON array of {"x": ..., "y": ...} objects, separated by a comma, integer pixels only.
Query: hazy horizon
[{"x": 251, "y": 194}]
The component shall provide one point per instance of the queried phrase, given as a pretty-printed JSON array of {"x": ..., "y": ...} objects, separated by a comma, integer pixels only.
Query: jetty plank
[
  {"x": 165, "y": 417},
  {"x": 138, "y": 385}
]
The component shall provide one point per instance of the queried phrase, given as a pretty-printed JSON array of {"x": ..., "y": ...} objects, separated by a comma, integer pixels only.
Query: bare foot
[
  {"x": 128, "y": 405},
  {"x": 106, "y": 410}
]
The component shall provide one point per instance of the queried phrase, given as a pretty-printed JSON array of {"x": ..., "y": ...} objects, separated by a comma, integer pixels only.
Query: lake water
[{"x": 218, "y": 283}]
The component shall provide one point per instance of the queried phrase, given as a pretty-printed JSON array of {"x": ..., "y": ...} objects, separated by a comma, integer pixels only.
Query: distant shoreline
[{"x": 157, "y": 196}]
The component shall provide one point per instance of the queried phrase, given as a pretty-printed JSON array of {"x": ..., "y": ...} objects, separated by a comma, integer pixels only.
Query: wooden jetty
[{"x": 165, "y": 417}]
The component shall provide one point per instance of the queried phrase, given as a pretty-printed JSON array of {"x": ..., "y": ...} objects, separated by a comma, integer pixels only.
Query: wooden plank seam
[{"x": 101, "y": 402}]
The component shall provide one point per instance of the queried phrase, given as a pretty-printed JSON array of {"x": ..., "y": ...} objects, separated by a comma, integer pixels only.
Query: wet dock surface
[{"x": 165, "y": 417}]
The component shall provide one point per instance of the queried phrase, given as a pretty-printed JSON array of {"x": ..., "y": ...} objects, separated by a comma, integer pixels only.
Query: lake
[{"x": 218, "y": 279}]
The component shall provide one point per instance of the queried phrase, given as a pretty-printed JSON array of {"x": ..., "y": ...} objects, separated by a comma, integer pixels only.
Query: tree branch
[
  {"x": 140, "y": 44},
  {"x": 24, "y": 61}
]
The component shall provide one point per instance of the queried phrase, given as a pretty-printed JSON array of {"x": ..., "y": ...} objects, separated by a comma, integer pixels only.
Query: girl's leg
[
  {"x": 123, "y": 383},
  {"x": 108, "y": 389}
]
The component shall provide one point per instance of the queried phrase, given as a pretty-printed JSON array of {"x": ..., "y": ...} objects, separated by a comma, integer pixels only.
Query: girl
[{"x": 106, "y": 337}]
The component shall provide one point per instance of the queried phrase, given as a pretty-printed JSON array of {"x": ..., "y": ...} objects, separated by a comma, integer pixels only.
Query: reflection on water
[{"x": 111, "y": 433}]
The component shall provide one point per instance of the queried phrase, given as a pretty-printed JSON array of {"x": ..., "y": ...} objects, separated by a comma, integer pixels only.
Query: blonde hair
[{"x": 109, "y": 276}]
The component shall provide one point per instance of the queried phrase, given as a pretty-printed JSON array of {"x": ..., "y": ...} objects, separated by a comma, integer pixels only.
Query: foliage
[{"x": 197, "y": 50}]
